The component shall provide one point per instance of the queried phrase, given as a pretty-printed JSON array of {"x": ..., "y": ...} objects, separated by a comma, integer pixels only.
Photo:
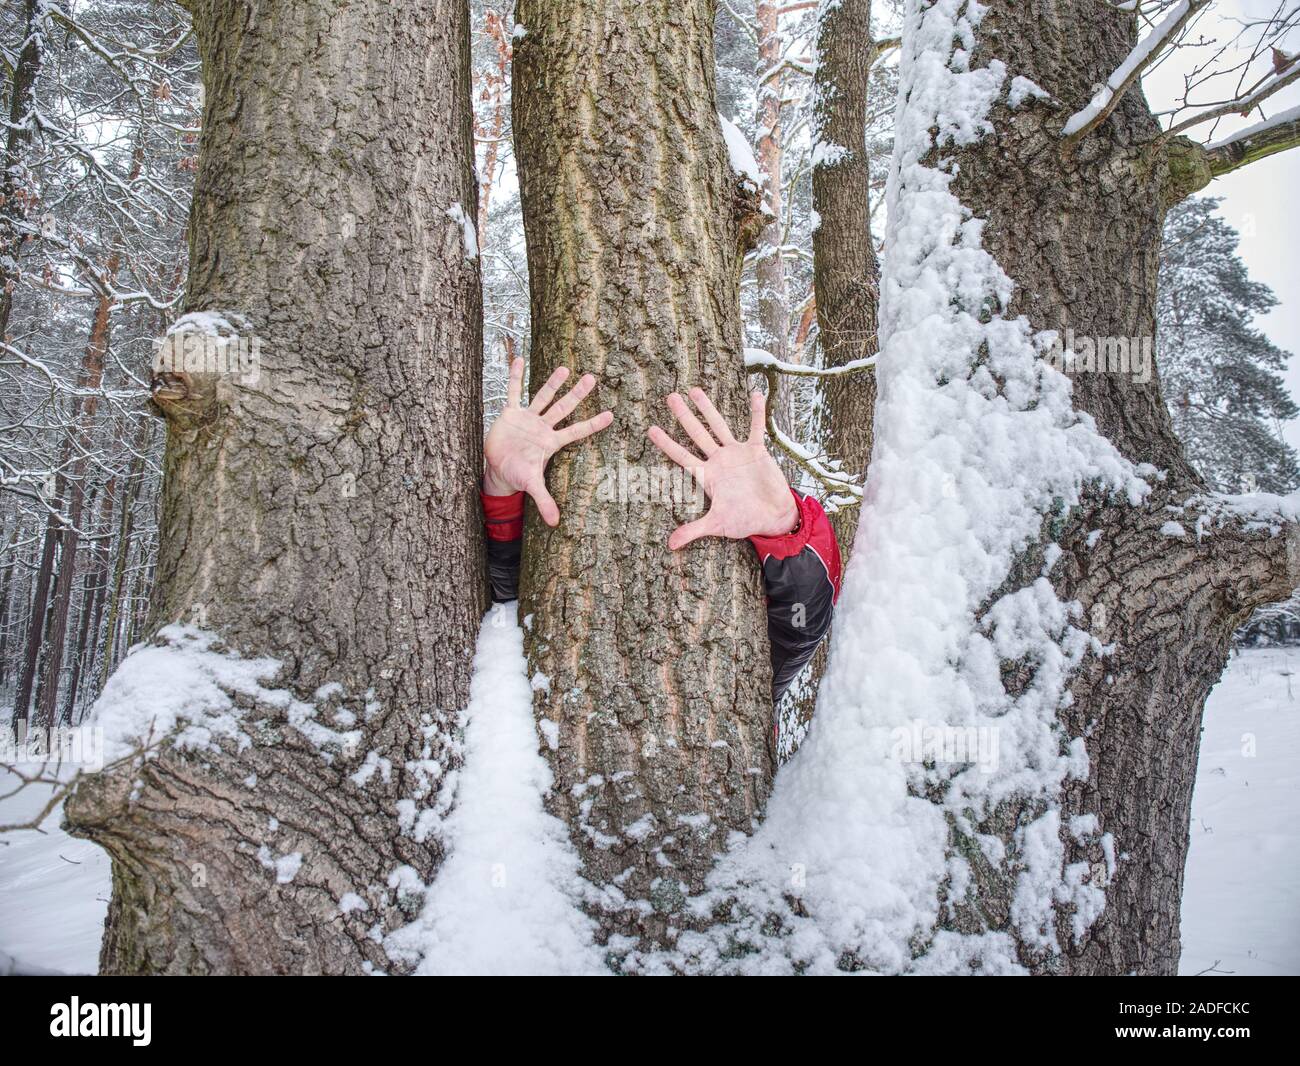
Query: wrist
[
  {"x": 494, "y": 485},
  {"x": 786, "y": 521}
]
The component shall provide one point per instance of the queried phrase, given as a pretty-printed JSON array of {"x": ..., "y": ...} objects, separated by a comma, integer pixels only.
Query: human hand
[
  {"x": 523, "y": 439},
  {"x": 749, "y": 496}
]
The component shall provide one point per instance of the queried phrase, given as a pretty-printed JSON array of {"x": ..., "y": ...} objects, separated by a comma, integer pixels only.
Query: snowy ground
[
  {"x": 1241, "y": 911},
  {"x": 1241, "y": 907},
  {"x": 53, "y": 890}
]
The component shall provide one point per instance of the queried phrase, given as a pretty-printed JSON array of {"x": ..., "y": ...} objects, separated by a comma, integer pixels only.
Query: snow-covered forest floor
[{"x": 1241, "y": 914}]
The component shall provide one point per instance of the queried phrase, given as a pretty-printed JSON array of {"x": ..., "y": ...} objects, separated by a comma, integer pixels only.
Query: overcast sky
[{"x": 1259, "y": 201}]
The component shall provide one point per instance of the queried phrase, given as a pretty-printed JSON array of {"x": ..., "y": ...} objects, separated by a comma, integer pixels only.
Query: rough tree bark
[
  {"x": 1078, "y": 228},
  {"x": 653, "y": 667},
  {"x": 14, "y": 194},
  {"x": 846, "y": 274},
  {"x": 323, "y": 513},
  {"x": 769, "y": 265}
]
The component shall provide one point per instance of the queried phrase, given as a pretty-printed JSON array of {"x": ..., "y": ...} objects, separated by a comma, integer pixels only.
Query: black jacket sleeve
[{"x": 801, "y": 577}]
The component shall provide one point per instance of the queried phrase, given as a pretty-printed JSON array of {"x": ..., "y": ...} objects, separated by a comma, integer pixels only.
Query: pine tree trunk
[
  {"x": 92, "y": 376},
  {"x": 35, "y": 629},
  {"x": 652, "y": 668},
  {"x": 8, "y": 615},
  {"x": 845, "y": 283},
  {"x": 92, "y": 604},
  {"x": 107, "y": 659},
  {"x": 13, "y": 194},
  {"x": 773, "y": 301},
  {"x": 325, "y": 513},
  {"x": 845, "y": 272}
]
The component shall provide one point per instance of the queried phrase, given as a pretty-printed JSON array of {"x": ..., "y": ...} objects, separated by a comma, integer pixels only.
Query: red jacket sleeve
[{"x": 503, "y": 518}]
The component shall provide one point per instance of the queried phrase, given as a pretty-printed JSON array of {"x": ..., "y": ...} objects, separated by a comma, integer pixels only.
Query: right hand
[{"x": 523, "y": 439}]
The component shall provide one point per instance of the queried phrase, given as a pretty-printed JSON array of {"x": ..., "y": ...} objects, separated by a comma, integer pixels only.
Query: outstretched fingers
[
  {"x": 694, "y": 429},
  {"x": 679, "y": 455},
  {"x": 547, "y": 392},
  {"x": 562, "y": 407},
  {"x": 716, "y": 422},
  {"x": 515, "y": 386},
  {"x": 757, "y": 418},
  {"x": 708, "y": 526},
  {"x": 579, "y": 430}
]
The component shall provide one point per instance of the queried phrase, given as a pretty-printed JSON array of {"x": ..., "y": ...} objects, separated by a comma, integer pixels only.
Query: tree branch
[
  {"x": 758, "y": 361},
  {"x": 843, "y": 489},
  {"x": 1122, "y": 78},
  {"x": 1243, "y": 105},
  {"x": 1263, "y": 139},
  {"x": 1193, "y": 166}
]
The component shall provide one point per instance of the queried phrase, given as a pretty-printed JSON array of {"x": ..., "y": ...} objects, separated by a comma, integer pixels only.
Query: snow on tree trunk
[
  {"x": 321, "y": 533},
  {"x": 999, "y": 772},
  {"x": 650, "y": 669}
]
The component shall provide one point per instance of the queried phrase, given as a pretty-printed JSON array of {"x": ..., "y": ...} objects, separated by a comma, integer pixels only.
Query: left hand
[{"x": 749, "y": 495}]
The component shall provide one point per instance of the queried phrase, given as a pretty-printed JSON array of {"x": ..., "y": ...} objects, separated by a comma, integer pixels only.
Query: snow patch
[
  {"x": 506, "y": 898},
  {"x": 469, "y": 232},
  {"x": 740, "y": 153}
]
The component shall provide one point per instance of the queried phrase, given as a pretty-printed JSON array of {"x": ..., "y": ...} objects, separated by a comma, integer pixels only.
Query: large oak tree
[{"x": 321, "y": 510}]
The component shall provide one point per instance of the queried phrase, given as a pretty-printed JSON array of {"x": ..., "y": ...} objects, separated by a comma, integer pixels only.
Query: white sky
[{"x": 1258, "y": 200}]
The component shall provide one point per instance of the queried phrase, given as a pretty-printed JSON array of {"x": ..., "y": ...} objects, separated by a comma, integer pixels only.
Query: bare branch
[{"x": 1245, "y": 104}]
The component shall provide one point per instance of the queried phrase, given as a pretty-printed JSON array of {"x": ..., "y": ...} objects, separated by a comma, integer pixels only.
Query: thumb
[
  {"x": 708, "y": 526},
  {"x": 545, "y": 505}
]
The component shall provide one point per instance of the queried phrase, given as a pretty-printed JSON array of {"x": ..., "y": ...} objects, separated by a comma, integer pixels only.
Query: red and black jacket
[{"x": 801, "y": 576}]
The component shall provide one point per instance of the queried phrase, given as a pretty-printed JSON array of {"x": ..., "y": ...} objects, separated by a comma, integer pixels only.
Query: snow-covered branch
[
  {"x": 758, "y": 361},
  {"x": 1108, "y": 96},
  {"x": 1266, "y": 138}
]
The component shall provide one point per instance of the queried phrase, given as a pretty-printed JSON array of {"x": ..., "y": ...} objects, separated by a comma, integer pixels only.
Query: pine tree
[{"x": 1222, "y": 376}]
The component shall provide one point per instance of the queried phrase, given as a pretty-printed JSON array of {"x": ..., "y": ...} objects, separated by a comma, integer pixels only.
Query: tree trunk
[
  {"x": 13, "y": 181},
  {"x": 321, "y": 510},
  {"x": 769, "y": 266},
  {"x": 83, "y": 429},
  {"x": 652, "y": 668},
  {"x": 36, "y": 618},
  {"x": 107, "y": 659},
  {"x": 845, "y": 284},
  {"x": 9, "y": 599},
  {"x": 1078, "y": 231},
  {"x": 92, "y": 603},
  {"x": 845, "y": 272}
]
